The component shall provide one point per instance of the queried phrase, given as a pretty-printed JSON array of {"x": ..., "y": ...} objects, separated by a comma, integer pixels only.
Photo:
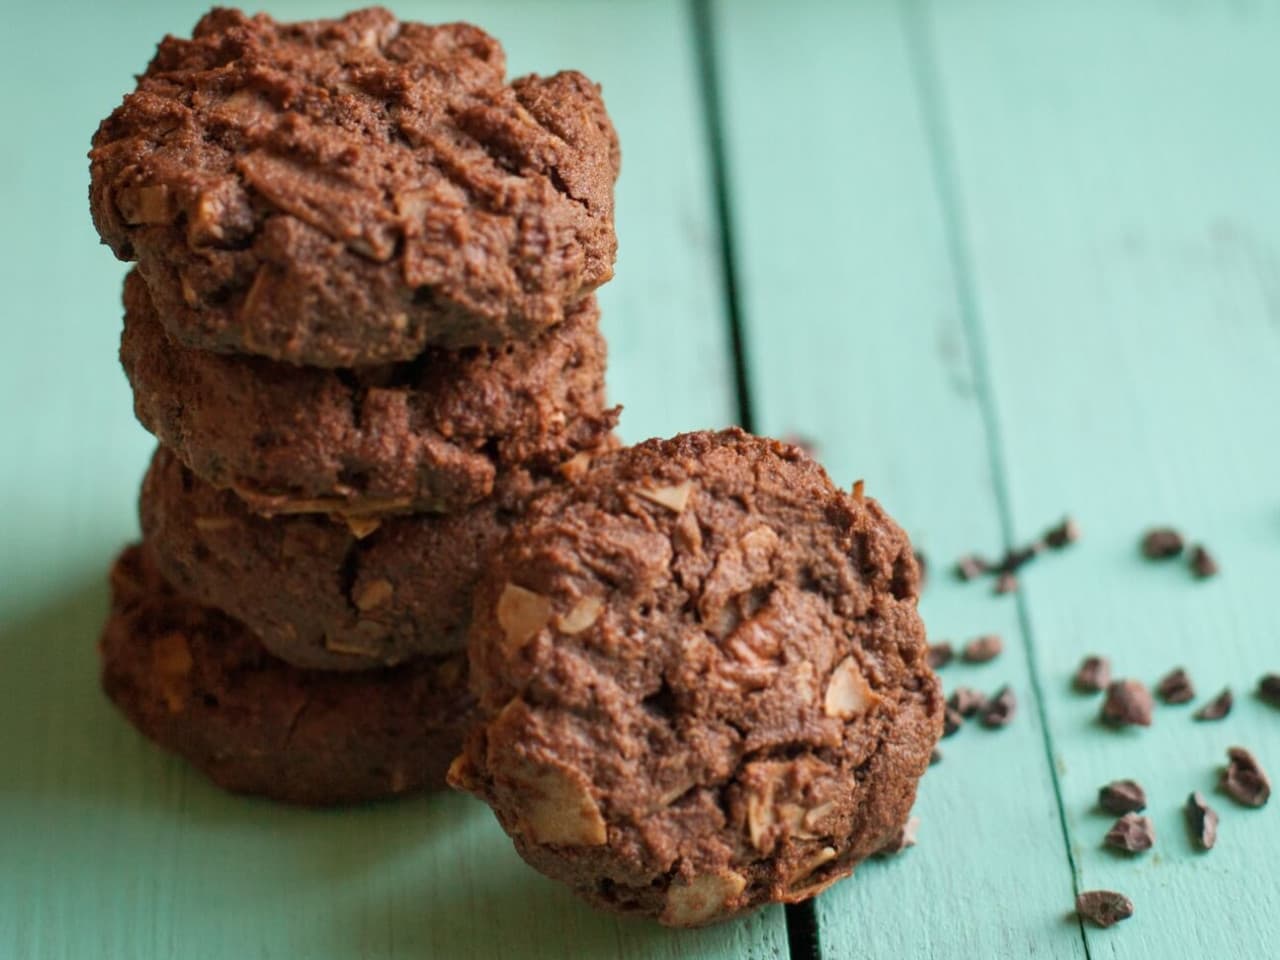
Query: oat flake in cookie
[
  {"x": 704, "y": 680},
  {"x": 198, "y": 683},
  {"x": 430, "y": 435},
  {"x": 347, "y": 192}
]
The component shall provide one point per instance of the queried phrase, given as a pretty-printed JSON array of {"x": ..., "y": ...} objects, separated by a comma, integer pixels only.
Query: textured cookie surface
[
  {"x": 424, "y": 436},
  {"x": 322, "y": 593},
  {"x": 704, "y": 680},
  {"x": 198, "y": 683},
  {"x": 346, "y": 192}
]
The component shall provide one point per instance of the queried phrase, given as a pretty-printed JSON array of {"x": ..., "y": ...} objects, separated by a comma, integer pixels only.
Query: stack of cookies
[{"x": 361, "y": 325}]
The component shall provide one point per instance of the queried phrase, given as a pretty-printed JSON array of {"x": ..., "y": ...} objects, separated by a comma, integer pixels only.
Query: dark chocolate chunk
[
  {"x": 1162, "y": 543},
  {"x": 999, "y": 710},
  {"x": 936, "y": 757},
  {"x": 1202, "y": 821},
  {"x": 904, "y": 838},
  {"x": 1068, "y": 531},
  {"x": 1131, "y": 833},
  {"x": 1122, "y": 796},
  {"x": 1176, "y": 687},
  {"x": 1244, "y": 780},
  {"x": 1269, "y": 689},
  {"x": 966, "y": 701},
  {"x": 983, "y": 649},
  {"x": 952, "y": 720},
  {"x": 1217, "y": 708},
  {"x": 1104, "y": 907},
  {"x": 1093, "y": 675},
  {"x": 1016, "y": 558},
  {"x": 939, "y": 655},
  {"x": 1128, "y": 703},
  {"x": 971, "y": 567},
  {"x": 1006, "y": 583},
  {"x": 1202, "y": 563},
  {"x": 923, "y": 563}
]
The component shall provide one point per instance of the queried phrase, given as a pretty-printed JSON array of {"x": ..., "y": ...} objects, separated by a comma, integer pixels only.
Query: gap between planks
[
  {"x": 922, "y": 51},
  {"x": 801, "y": 918}
]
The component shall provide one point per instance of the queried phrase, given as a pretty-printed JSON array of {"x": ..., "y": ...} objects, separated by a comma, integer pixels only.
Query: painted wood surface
[
  {"x": 1001, "y": 259},
  {"x": 113, "y": 850},
  {"x": 856, "y": 337},
  {"x": 1122, "y": 222}
]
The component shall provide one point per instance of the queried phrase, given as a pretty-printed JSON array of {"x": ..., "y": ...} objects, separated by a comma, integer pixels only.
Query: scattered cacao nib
[
  {"x": 1067, "y": 532},
  {"x": 1176, "y": 687},
  {"x": 999, "y": 710},
  {"x": 952, "y": 721},
  {"x": 1161, "y": 543},
  {"x": 1006, "y": 583},
  {"x": 1132, "y": 833},
  {"x": 1217, "y": 708},
  {"x": 1018, "y": 557},
  {"x": 923, "y": 563},
  {"x": 1202, "y": 821},
  {"x": 1269, "y": 689},
  {"x": 1244, "y": 780},
  {"x": 1202, "y": 563},
  {"x": 1122, "y": 796},
  {"x": 939, "y": 655},
  {"x": 1104, "y": 907},
  {"x": 966, "y": 701},
  {"x": 1128, "y": 703},
  {"x": 983, "y": 649},
  {"x": 1093, "y": 675},
  {"x": 971, "y": 567},
  {"x": 904, "y": 838},
  {"x": 935, "y": 758}
]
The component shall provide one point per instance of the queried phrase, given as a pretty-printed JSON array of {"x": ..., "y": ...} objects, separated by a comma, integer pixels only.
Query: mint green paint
[
  {"x": 1001, "y": 259},
  {"x": 1115, "y": 189},
  {"x": 113, "y": 850}
]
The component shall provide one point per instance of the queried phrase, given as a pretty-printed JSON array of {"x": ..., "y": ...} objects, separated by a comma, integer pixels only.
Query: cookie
[
  {"x": 703, "y": 680},
  {"x": 198, "y": 683},
  {"x": 347, "y": 192},
  {"x": 430, "y": 435},
  {"x": 321, "y": 593}
]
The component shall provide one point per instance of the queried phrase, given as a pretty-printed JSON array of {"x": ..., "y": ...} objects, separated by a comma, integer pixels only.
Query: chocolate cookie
[
  {"x": 424, "y": 436},
  {"x": 320, "y": 593},
  {"x": 198, "y": 683},
  {"x": 347, "y": 192},
  {"x": 704, "y": 680}
]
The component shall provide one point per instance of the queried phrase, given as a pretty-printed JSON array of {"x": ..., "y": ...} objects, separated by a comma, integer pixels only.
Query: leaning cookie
[
  {"x": 198, "y": 683},
  {"x": 322, "y": 593},
  {"x": 347, "y": 192},
  {"x": 424, "y": 436},
  {"x": 703, "y": 679}
]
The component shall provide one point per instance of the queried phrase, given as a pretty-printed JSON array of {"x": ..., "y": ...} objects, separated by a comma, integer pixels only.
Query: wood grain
[
  {"x": 855, "y": 337},
  {"x": 114, "y": 850},
  {"x": 1116, "y": 190}
]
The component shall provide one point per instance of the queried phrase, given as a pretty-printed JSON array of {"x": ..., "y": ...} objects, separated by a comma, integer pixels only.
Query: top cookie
[
  {"x": 704, "y": 679},
  {"x": 344, "y": 192}
]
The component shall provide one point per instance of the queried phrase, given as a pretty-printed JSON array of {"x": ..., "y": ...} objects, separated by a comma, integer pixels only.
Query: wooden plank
[
  {"x": 855, "y": 337},
  {"x": 1115, "y": 184},
  {"x": 113, "y": 850}
]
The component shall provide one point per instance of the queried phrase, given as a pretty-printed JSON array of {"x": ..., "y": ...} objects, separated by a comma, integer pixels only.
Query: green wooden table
[{"x": 1004, "y": 259}]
